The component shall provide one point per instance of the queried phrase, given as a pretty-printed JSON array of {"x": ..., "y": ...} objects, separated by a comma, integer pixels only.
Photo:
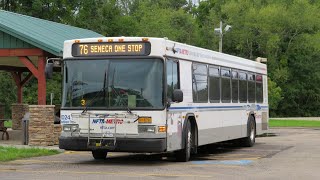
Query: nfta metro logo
[
  {"x": 98, "y": 121},
  {"x": 114, "y": 121}
]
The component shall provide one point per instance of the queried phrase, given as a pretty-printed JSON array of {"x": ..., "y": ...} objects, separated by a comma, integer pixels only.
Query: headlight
[
  {"x": 70, "y": 127},
  {"x": 146, "y": 129}
]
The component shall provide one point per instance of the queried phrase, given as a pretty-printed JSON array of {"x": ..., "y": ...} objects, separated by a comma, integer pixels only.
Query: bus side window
[
  {"x": 225, "y": 86},
  {"x": 200, "y": 82},
  {"x": 214, "y": 81},
  {"x": 251, "y": 88},
  {"x": 172, "y": 77},
  {"x": 235, "y": 86},
  {"x": 259, "y": 89},
  {"x": 243, "y": 94}
]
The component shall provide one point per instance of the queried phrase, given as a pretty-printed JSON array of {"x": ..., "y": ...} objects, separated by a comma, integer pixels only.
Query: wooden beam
[
  {"x": 16, "y": 77},
  {"x": 39, "y": 74},
  {"x": 14, "y": 69},
  {"x": 41, "y": 81},
  {"x": 26, "y": 61},
  {"x": 21, "y": 52},
  {"x": 22, "y": 69},
  {"x": 26, "y": 79}
]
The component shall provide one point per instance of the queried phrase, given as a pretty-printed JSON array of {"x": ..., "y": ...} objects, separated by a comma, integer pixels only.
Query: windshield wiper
[
  {"x": 105, "y": 82},
  {"x": 121, "y": 102},
  {"x": 93, "y": 99}
]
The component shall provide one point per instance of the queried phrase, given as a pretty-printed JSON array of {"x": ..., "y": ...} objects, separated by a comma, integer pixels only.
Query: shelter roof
[{"x": 46, "y": 35}]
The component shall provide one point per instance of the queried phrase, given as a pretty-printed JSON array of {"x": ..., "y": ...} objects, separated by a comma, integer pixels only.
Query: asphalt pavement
[{"x": 287, "y": 153}]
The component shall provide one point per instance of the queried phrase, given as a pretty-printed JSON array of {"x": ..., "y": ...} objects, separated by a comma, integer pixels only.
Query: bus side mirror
[
  {"x": 177, "y": 95},
  {"x": 49, "y": 70},
  {"x": 51, "y": 62}
]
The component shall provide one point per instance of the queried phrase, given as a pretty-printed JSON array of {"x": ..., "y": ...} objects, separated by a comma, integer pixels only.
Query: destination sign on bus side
[{"x": 111, "y": 49}]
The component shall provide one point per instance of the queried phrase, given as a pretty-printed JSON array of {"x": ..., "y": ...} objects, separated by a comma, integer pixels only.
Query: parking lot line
[
  {"x": 34, "y": 161},
  {"x": 225, "y": 162},
  {"x": 232, "y": 158},
  {"x": 252, "y": 149},
  {"x": 128, "y": 174},
  {"x": 215, "y": 165}
]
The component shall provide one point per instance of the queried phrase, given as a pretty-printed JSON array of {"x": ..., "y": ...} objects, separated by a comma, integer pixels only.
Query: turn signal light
[
  {"x": 145, "y": 120},
  {"x": 162, "y": 128}
]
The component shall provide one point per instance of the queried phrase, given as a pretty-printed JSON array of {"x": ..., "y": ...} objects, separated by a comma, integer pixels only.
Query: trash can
[{"x": 25, "y": 129}]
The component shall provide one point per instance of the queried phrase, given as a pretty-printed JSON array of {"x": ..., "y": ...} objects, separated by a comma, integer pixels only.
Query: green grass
[
  {"x": 293, "y": 123},
  {"x": 8, "y": 124},
  {"x": 12, "y": 153}
]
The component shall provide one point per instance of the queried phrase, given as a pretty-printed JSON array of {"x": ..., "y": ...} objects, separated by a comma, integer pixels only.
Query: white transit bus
[{"x": 132, "y": 94}]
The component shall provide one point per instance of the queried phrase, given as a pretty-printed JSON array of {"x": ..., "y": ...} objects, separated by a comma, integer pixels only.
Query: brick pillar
[
  {"x": 57, "y": 132},
  {"x": 41, "y": 127},
  {"x": 2, "y": 110},
  {"x": 18, "y": 111}
]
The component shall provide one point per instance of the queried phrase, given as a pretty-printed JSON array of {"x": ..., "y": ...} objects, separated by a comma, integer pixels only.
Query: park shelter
[{"x": 25, "y": 44}]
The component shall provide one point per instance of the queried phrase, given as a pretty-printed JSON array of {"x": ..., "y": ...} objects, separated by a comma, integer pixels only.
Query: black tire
[
  {"x": 183, "y": 155},
  {"x": 250, "y": 140},
  {"x": 99, "y": 154}
]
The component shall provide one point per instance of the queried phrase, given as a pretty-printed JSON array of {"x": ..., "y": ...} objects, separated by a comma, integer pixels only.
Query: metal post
[
  {"x": 51, "y": 98},
  {"x": 221, "y": 36}
]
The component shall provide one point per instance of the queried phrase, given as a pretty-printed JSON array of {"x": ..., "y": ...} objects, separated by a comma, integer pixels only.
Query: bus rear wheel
[
  {"x": 99, "y": 154},
  {"x": 250, "y": 140},
  {"x": 183, "y": 155}
]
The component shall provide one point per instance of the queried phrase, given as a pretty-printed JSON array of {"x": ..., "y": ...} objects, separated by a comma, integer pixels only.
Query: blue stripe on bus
[
  {"x": 211, "y": 107},
  {"x": 205, "y": 107}
]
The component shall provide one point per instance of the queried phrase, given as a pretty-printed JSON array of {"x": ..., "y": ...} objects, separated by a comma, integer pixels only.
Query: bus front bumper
[{"x": 145, "y": 145}]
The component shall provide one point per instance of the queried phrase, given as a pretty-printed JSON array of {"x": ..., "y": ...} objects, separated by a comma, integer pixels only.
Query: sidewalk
[
  {"x": 299, "y": 118},
  {"x": 15, "y": 140}
]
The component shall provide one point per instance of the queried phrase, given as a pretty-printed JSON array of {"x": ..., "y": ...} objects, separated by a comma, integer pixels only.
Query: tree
[
  {"x": 286, "y": 32},
  {"x": 282, "y": 31},
  {"x": 155, "y": 21},
  {"x": 8, "y": 5},
  {"x": 8, "y": 93}
]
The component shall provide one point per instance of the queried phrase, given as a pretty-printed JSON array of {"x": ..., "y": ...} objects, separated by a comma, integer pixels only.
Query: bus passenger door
[
  {"x": 174, "y": 116},
  {"x": 174, "y": 131}
]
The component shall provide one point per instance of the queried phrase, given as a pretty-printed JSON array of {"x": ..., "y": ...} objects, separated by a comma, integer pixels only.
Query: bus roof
[{"x": 162, "y": 47}]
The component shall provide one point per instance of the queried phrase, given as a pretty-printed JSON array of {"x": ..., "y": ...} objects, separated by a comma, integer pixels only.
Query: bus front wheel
[
  {"x": 183, "y": 155},
  {"x": 99, "y": 154}
]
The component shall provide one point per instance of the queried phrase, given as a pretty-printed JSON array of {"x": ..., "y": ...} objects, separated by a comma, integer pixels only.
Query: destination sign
[{"x": 111, "y": 49}]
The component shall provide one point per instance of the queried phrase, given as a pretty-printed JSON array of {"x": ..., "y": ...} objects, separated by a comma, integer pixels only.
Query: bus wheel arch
[
  {"x": 249, "y": 140},
  {"x": 252, "y": 117},
  {"x": 188, "y": 146},
  {"x": 194, "y": 128}
]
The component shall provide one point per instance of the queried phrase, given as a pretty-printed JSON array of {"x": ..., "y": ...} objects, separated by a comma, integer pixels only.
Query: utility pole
[{"x": 219, "y": 31}]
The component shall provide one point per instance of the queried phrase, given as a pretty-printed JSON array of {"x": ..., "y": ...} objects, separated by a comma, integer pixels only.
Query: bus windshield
[{"x": 113, "y": 83}]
